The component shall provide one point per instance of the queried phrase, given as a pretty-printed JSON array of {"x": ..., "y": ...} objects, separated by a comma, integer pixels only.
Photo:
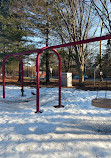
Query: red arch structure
[
  {"x": 37, "y": 81},
  {"x": 39, "y": 51},
  {"x": 17, "y": 55}
]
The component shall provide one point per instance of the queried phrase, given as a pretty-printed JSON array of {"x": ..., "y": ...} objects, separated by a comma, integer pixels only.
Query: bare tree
[
  {"x": 69, "y": 20},
  {"x": 103, "y": 10},
  {"x": 37, "y": 21},
  {"x": 75, "y": 19}
]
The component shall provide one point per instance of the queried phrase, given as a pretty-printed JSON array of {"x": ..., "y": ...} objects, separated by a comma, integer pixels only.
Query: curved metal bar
[
  {"x": 95, "y": 39},
  {"x": 17, "y": 56},
  {"x": 60, "y": 72},
  {"x": 37, "y": 82},
  {"x": 38, "y": 79},
  {"x": 3, "y": 72}
]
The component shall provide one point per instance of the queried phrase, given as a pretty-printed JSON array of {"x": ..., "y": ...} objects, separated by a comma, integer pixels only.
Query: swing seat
[{"x": 102, "y": 102}]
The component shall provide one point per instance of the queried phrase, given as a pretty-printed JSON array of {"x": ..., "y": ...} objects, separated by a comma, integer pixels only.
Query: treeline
[{"x": 52, "y": 22}]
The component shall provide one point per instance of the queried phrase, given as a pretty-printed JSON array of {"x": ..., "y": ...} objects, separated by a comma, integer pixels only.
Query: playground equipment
[
  {"x": 102, "y": 102},
  {"x": 37, "y": 82},
  {"x": 17, "y": 55},
  {"x": 39, "y": 51}
]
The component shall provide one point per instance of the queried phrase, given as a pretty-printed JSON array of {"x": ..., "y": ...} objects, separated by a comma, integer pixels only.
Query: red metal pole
[
  {"x": 22, "y": 76},
  {"x": 37, "y": 83},
  {"x": 66, "y": 45},
  {"x": 60, "y": 71},
  {"x": 95, "y": 39},
  {"x": 38, "y": 80}
]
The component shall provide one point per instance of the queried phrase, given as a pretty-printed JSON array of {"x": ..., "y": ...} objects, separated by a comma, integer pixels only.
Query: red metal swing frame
[{"x": 39, "y": 51}]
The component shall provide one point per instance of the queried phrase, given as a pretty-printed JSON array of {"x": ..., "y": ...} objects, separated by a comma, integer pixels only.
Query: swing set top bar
[
  {"x": 81, "y": 42},
  {"x": 62, "y": 45}
]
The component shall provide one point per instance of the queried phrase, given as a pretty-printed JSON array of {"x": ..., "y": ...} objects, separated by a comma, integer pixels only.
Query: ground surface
[
  {"x": 88, "y": 84},
  {"x": 78, "y": 130}
]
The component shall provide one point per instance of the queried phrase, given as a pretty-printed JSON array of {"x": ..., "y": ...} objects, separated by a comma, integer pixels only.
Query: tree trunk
[
  {"x": 47, "y": 54},
  {"x": 19, "y": 79},
  {"x": 47, "y": 67},
  {"x": 81, "y": 75},
  {"x": 81, "y": 70},
  {"x": 47, "y": 43}
]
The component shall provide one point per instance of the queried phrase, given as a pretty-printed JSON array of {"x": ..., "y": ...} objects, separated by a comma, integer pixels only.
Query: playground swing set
[{"x": 98, "y": 102}]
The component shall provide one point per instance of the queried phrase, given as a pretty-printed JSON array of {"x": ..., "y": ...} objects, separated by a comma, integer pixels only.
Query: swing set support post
[{"x": 38, "y": 79}]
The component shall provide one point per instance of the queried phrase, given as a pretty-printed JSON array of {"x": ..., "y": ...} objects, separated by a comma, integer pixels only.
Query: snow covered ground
[{"x": 78, "y": 130}]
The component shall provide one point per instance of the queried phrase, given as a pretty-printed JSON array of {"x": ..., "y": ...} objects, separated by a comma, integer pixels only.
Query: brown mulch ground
[{"x": 88, "y": 85}]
